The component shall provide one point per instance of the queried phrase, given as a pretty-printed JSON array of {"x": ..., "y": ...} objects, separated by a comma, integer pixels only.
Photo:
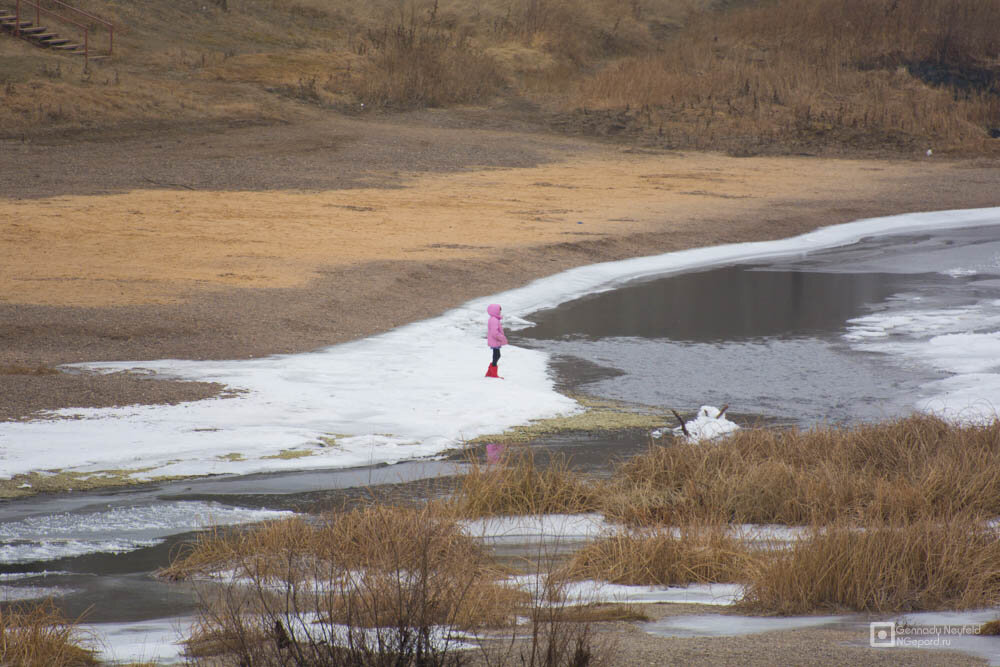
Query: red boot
[{"x": 491, "y": 372}]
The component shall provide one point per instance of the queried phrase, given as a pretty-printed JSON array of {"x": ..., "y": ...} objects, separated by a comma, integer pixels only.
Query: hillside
[{"x": 776, "y": 77}]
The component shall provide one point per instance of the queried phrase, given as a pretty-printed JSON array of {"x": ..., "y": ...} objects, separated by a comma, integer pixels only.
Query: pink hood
[{"x": 494, "y": 329}]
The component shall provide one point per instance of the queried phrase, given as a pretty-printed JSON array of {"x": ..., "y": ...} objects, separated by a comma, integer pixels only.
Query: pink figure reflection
[{"x": 494, "y": 451}]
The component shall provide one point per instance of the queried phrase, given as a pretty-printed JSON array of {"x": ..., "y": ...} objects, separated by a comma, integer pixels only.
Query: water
[
  {"x": 864, "y": 332},
  {"x": 801, "y": 339},
  {"x": 94, "y": 552}
]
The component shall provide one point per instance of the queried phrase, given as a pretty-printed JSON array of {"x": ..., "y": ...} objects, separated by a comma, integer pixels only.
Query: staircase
[{"x": 18, "y": 23}]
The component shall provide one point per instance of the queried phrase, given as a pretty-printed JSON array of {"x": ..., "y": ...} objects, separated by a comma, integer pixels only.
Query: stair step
[
  {"x": 56, "y": 42},
  {"x": 68, "y": 47},
  {"x": 33, "y": 31},
  {"x": 42, "y": 36},
  {"x": 10, "y": 23}
]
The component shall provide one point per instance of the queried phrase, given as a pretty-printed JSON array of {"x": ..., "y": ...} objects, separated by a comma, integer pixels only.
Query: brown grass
[
  {"x": 767, "y": 77},
  {"x": 517, "y": 485},
  {"x": 380, "y": 541},
  {"x": 816, "y": 73},
  {"x": 389, "y": 574},
  {"x": 990, "y": 628},
  {"x": 39, "y": 635},
  {"x": 695, "y": 555},
  {"x": 924, "y": 564},
  {"x": 415, "y": 65},
  {"x": 904, "y": 469},
  {"x": 389, "y": 577}
]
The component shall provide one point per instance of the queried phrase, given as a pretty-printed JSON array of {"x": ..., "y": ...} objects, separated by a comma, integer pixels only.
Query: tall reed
[
  {"x": 908, "y": 468},
  {"x": 875, "y": 567},
  {"x": 39, "y": 635}
]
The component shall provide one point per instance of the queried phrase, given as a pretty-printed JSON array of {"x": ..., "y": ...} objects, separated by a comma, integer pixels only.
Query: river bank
[{"x": 365, "y": 227}]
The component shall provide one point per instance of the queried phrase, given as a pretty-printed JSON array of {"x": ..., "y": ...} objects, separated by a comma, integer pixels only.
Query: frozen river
[
  {"x": 856, "y": 322},
  {"x": 873, "y": 330}
]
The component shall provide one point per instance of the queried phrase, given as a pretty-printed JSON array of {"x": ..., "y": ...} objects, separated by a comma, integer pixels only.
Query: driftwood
[{"x": 684, "y": 429}]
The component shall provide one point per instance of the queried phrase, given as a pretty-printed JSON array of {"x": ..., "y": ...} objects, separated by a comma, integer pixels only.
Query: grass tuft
[
  {"x": 904, "y": 469},
  {"x": 40, "y": 635},
  {"x": 515, "y": 484},
  {"x": 924, "y": 564},
  {"x": 692, "y": 555}
]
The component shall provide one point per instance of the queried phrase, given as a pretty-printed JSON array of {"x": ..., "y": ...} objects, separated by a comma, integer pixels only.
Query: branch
[{"x": 683, "y": 427}]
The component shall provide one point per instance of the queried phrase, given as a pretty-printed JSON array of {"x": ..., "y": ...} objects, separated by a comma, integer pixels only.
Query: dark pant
[{"x": 496, "y": 356}]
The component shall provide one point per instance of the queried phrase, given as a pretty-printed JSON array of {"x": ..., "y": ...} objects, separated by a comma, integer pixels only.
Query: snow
[
  {"x": 718, "y": 625},
  {"x": 532, "y": 529},
  {"x": 155, "y": 642},
  {"x": 963, "y": 343},
  {"x": 601, "y": 592},
  {"x": 410, "y": 393},
  {"x": 710, "y": 424}
]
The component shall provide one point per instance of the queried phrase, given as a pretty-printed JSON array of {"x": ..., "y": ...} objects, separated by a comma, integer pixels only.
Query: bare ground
[{"x": 240, "y": 241}]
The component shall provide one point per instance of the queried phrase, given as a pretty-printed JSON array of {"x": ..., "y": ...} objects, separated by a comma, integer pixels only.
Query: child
[{"x": 494, "y": 338}]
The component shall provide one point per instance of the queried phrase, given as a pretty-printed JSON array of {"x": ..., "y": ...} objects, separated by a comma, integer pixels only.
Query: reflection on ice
[{"x": 114, "y": 530}]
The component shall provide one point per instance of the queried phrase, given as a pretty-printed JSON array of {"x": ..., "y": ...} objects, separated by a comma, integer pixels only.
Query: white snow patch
[
  {"x": 710, "y": 424},
  {"x": 963, "y": 343},
  {"x": 718, "y": 625},
  {"x": 157, "y": 641},
  {"x": 593, "y": 592},
  {"x": 410, "y": 393},
  {"x": 531, "y": 529}
]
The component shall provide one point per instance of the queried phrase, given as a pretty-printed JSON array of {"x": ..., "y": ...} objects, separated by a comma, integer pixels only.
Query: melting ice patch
[
  {"x": 599, "y": 592},
  {"x": 410, "y": 393},
  {"x": 533, "y": 529},
  {"x": 963, "y": 343},
  {"x": 114, "y": 530},
  {"x": 157, "y": 641},
  {"x": 717, "y": 625}
]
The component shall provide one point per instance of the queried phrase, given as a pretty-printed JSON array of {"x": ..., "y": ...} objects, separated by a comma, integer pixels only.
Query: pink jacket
[{"x": 494, "y": 330}]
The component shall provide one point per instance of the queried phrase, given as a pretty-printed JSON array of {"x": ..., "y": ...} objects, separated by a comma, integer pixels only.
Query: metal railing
[{"x": 40, "y": 11}]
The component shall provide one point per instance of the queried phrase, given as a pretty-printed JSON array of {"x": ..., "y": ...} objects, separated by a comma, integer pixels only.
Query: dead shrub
[
  {"x": 413, "y": 66},
  {"x": 380, "y": 585}
]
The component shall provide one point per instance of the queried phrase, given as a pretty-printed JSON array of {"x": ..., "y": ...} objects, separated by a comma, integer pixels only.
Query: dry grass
[
  {"x": 376, "y": 548},
  {"x": 903, "y": 469},
  {"x": 775, "y": 77},
  {"x": 389, "y": 575},
  {"x": 924, "y": 564},
  {"x": 515, "y": 485},
  {"x": 376, "y": 586},
  {"x": 41, "y": 636},
  {"x": 990, "y": 628},
  {"x": 415, "y": 65},
  {"x": 895, "y": 514},
  {"x": 814, "y": 73},
  {"x": 694, "y": 555}
]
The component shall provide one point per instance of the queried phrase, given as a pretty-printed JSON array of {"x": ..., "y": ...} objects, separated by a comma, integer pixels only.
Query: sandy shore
[{"x": 194, "y": 245}]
